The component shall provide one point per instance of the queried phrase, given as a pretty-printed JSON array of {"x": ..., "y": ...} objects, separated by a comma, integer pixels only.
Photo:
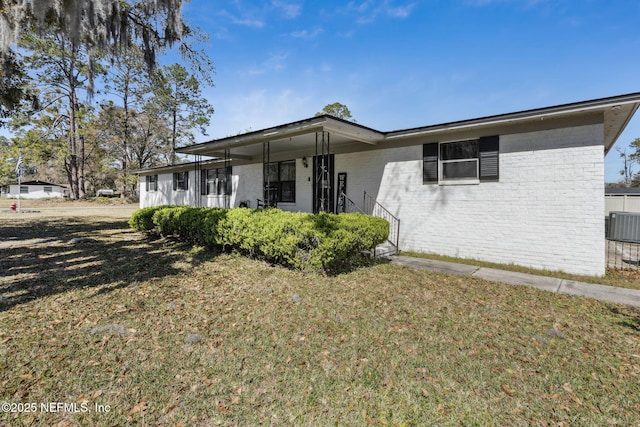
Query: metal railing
[
  {"x": 623, "y": 255},
  {"x": 373, "y": 208},
  {"x": 346, "y": 205}
]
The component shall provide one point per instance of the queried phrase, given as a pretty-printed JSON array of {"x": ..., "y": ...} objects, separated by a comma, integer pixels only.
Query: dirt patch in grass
[{"x": 165, "y": 334}]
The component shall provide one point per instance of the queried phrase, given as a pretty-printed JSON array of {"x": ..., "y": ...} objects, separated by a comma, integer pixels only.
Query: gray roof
[{"x": 621, "y": 191}]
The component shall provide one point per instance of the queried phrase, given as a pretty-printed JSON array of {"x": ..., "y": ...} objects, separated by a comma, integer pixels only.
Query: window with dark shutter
[
  {"x": 180, "y": 180},
  {"x": 489, "y": 148},
  {"x": 152, "y": 182},
  {"x": 430, "y": 163},
  {"x": 461, "y": 162},
  {"x": 215, "y": 182}
]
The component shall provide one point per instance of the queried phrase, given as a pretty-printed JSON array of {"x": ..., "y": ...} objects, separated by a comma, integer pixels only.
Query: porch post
[
  {"x": 227, "y": 173},
  {"x": 322, "y": 164},
  {"x": 198, "y": 181},
  {"x": 266, "y": 182}
]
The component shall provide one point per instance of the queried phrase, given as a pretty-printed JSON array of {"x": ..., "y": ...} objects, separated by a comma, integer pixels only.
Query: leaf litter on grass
[{"x": 194, "y": 337}]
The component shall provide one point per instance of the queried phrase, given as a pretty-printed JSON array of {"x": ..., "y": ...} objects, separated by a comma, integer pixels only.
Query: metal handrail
[
  {"x": 349, "y": 205},
  {"x": 373, "y": 208}
]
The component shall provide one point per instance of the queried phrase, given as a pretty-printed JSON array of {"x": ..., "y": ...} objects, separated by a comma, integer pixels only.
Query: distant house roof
[
  {"x": 40, "y": 183},
  {"x": 621, "y": 191}
]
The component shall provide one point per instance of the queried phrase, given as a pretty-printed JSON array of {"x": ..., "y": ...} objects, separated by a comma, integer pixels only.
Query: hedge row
[{"x": 321, "y": 241}]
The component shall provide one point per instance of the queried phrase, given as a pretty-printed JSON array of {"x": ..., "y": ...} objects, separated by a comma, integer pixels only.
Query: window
[
  {"x": 152, "y": 182},
  {"x": 461, "y": 162},
  {"x": 281, "y": 178},
  {"x": 181, "y": 180},
  {"x": 214, "y": 182},
  {"x": 24, "y": 189},
  {"x": 48, "y": 189}
]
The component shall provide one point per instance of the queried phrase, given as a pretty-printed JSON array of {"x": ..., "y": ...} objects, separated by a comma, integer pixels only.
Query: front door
[{"x": 323, "y": 182}]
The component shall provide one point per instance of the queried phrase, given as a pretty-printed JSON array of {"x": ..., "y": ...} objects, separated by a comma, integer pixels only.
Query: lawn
[{"x": 122, "y": 330}]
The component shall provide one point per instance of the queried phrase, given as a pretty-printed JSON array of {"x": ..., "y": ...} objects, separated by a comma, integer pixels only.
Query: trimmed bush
[
  {"x": 322, "y": 241},
  {"x": 142, "y": 219}
]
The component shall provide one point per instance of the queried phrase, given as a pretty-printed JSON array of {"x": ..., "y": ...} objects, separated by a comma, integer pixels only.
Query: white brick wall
[{"x": 545, "y": 212}]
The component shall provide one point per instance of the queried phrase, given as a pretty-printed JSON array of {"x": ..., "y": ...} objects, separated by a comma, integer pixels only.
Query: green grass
[
  {"x": 613, "y": 277},
  {"x": 168, "y": 334}
]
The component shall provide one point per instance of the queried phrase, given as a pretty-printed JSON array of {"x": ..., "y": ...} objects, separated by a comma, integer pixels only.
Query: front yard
[{"x": 123, "y": 330}]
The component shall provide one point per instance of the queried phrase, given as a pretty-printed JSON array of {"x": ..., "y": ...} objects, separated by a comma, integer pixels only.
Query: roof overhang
[
  {"x": 298, "y": 139},
  {"x": 614, "y": 112}
]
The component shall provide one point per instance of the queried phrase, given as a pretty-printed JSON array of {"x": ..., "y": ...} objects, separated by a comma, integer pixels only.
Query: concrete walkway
[{"x": 561, "y": 286}]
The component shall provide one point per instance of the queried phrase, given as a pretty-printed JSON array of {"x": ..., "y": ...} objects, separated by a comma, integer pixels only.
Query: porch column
[
  {"x": 228, "y": 182},
  {"x": 323, "y": 170}
]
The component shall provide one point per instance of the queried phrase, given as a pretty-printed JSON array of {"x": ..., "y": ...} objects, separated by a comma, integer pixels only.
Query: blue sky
[{"x": 401, "y": 63}]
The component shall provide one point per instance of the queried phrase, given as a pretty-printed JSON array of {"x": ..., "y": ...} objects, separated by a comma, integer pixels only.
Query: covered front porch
[{"x": 296, "y": 162}]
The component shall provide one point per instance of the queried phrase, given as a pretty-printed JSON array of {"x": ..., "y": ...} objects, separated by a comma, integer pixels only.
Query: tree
[
  {"x": 125, "y": 81},
  {"x": 630, "y": 177},
  {"x": 61, "y": 74},
  {"x": 629, "y": 162},
  {"x": 99, "y": 26},
  {"x": 338, "y": 110},
  {"x": 16, "y": 93},
  {"x": 178, "y": 98}
]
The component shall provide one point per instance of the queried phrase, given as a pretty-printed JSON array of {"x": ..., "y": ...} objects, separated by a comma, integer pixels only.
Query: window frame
[
  {"x": 277, "y": 185},
  {"x": 151, "y": 182},
  {"x": 181, "y": 181},
  {"x": 487, "y": 161},
  {"x": 220, "y": 181},
  {"x": 24, "y": 189},
  {"x": 48, "y": 189},
  {"x": 443, "y": 162}
]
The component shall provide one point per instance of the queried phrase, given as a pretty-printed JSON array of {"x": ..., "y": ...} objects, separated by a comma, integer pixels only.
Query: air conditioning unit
[{"x": 624, "y": 226}]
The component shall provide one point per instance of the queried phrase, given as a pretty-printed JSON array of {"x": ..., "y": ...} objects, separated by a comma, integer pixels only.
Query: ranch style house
[{"x": 525, "y": 188}]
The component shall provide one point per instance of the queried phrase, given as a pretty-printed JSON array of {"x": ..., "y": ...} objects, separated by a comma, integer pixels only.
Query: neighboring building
[
  {"x": 37, "y": 190},
  {"x": 621, "y": 200},
  {"x": 525, "y": 188}
]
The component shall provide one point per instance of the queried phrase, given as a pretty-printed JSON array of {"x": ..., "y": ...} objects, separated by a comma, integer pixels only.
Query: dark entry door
[{"x": 323, "y": 183}]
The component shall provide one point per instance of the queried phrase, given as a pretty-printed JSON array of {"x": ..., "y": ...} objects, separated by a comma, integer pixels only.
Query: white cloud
[
  {"x": 260, "y": 109},
  {"x": 368, "y": 11},
  {"x": 245, "y": 20},
  {"x": 306, "y": 34},
  {"x": 400, "y": 11},
  {"x": 275, "y": 62},
  {"x": 290, "y": 10}
]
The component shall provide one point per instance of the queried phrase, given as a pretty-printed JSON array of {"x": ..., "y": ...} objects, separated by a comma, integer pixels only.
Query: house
[
  {"x": 621, "y": 200},
  {"x": 525, "y": 188},
  {"x": 37, "y": 190}
]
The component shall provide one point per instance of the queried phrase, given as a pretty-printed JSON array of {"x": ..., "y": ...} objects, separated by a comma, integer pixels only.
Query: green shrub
[
  {"x": 142, "y": 219},
  {"x": 321, "y": 241}
]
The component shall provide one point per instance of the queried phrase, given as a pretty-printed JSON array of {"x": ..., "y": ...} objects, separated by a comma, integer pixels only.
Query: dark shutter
[
  {"x": 147, "y": 179},
  {"x": 175, "y": 181},
  {"x": 489, "y": 158},
  {"x": 229, "y": 181},
  {"x": 430, "y": 163},
  {"x": 186, "y": 180},
  {"x": 203, "y": 182}
]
